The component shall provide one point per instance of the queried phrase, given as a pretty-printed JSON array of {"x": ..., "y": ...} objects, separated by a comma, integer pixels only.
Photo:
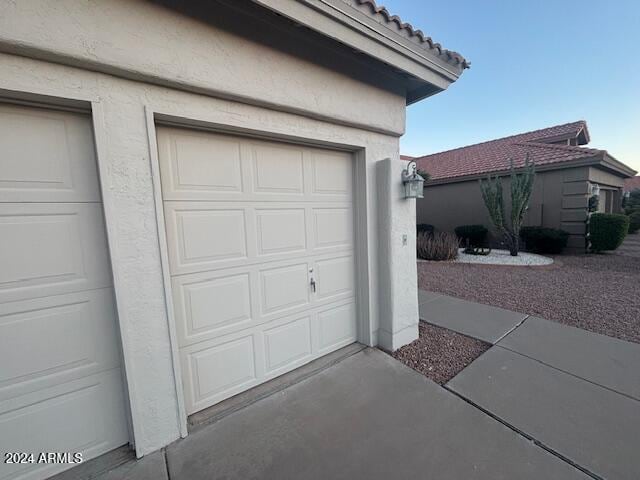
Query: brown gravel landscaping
[
  {"x": 600, "y": 293},
  {"x": 440, "y": 354}
]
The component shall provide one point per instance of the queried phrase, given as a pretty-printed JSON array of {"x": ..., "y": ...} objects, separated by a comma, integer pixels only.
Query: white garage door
[
  {"x": 251, "y": 225},
  {"x": 60, "y": 383}
]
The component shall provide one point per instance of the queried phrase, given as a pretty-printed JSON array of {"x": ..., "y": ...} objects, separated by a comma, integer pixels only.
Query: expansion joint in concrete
[{"x": 523, "y": 434}]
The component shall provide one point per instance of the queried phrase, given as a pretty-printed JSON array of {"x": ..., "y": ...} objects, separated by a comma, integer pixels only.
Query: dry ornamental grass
[{"x": 437, "y": 246}]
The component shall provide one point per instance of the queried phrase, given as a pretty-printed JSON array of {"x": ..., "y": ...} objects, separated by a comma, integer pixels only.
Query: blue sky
[{"x": 534, "y": 64}]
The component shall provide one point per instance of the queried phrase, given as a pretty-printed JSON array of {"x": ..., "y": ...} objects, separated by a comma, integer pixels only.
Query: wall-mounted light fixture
[
  {"x": 413, "y": 182},
  {"x": 595, "y": 189}
]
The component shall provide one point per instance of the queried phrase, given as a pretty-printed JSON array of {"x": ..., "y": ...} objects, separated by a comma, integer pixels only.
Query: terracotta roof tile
[
  {"x": 632, "y": 183},
  {"x": 416, "y": 36},
  {"x": 495, "y": 155}
]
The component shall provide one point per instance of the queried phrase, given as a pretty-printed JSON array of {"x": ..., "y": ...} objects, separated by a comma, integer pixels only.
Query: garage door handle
[{"x": 313, "y": 284}]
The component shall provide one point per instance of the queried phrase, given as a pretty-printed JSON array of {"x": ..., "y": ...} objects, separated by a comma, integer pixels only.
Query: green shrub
[
  {"x": 544, "y": 240},
  {"x": 437, "y": 246},
  {"x": 634, "y": 221},
  {"x": 425, "y": 228},
  {"x": 631, "y": 210},
  {"x": 632, "y": 203},
  {"x": 476, "y": 234},
  {"x": 607, "y": 231}
]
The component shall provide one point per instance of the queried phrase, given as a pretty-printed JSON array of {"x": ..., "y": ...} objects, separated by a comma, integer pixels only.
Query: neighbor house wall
[
  {"x": 610, "y": 182},
  {"x": 559, "y": 200},
  {"x": 575, "y": 207},
  {"x": 127, "y": 59}
]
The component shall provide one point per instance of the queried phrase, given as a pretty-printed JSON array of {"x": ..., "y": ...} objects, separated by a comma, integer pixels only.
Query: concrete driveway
[
  {"x": 547, "y": 401},
  {"x": 367, "y": 417}
]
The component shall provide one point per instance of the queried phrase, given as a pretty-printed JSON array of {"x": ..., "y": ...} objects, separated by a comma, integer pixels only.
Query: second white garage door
[
  {"x": 261, "y": 253},
  {"x": 61, "y": 387}
]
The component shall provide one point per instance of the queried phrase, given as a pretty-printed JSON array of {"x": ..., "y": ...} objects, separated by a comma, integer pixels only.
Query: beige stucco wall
[
  {"x": 211, "y": 48},
  {"x": 559, "y": 200},
  {"x": 127, "y": 59}
]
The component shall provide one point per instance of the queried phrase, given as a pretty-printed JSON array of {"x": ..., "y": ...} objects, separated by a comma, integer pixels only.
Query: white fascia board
[{"x": 338, "y": 21}]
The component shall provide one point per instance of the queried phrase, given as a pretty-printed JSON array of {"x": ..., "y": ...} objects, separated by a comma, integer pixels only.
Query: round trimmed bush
[
  {"x": 476, "y": 234},
  {"x": 607, "y": 231},
  {"x": 634, "y": 221},
  {"x": 544, "y": 240}
]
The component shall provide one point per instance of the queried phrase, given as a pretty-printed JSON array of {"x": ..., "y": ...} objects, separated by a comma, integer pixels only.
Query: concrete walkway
[
  {"x": 575, "y": 393},
  {"x": 475, "y": 320}
]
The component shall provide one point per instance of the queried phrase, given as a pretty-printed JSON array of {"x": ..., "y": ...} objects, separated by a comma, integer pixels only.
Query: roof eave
[
  {"x": 611, "y": 163},
  {"x": 427, "y": 74}
]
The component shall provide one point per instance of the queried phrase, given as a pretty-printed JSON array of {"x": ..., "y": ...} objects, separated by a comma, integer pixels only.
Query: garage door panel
[
  {"x": 219, "y": 369},
  {"x": 223, "y": 301},
  {"x": 332, "y": 173},
  {"x": 332, "y": 228},
  {"x": 199, "y": 164},
  {"x": 283, "y": 288},
  {"x": 49, "y": 249},
  {"x": 216, "y": 167},
  {"x": 46, "y": 156},
  {"x": 280, "y": 230},
  {"x": 277, "y": 168},
  {"x": 336, "y": 327},
  {"x": 200, "y": 237},
  {"x": 287, "y": 344},
  {"x": 207, "y": 304},
  {"x": 39, "y": 236},
  {"x": 203, "y": 236},
  {"x": 75, "y": 336},
  {"x": 262, "y": 351},
  {"x": 74, "y": 417},
  {"x": 335, "y": 278}
]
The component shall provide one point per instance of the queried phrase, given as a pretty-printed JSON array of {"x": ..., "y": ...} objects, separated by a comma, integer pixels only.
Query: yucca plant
[{"x": 521, "y": 188}]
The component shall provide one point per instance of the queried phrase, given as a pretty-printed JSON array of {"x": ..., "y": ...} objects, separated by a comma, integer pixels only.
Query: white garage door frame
[
  {"x": 157, "y": 116},
  {"x": 87, "y": 105}
]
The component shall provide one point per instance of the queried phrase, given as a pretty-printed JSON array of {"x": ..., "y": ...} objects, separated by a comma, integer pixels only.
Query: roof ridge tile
[
  {"x": 504, "y": 139},
  {"x": 495, "y": 155},
  {"x": 561, "y": 147},
  {"x": 450, "y": 55}
]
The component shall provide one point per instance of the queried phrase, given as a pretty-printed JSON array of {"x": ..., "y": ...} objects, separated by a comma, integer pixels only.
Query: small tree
[{"x": 521, "y": 188}]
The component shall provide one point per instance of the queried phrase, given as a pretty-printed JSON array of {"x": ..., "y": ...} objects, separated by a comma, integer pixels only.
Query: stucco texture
[{"x": 209, "y": 48}]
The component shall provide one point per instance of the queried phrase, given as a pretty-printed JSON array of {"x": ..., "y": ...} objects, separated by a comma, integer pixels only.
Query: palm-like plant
[{"x": 521, "y": 188}]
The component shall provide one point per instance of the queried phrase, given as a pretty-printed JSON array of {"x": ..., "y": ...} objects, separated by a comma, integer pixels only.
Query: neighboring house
[
  {"x": 630, "y": 184},
  {"x": 567, "y": 175},
  {"x": 196, "y": 197}
]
